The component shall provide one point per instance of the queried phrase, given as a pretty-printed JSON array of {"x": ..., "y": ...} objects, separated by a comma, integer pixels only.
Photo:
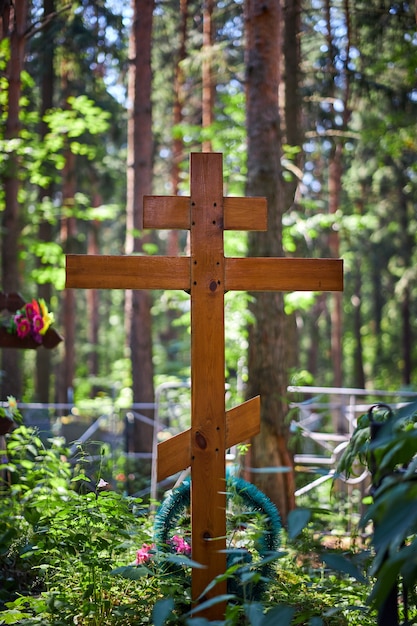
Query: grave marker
[{"x": 206, "y": 274}]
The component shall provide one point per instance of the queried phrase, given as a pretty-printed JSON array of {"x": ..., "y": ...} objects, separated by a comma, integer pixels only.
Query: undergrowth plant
[
  {"x": 71, "y": 552},
  {"x": 59, "y": 545},
  {"x": 386, "y": 442}
]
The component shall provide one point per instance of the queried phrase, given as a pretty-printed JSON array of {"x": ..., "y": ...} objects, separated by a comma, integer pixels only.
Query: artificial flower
[
  {"x": 22, "y": 326},
  {"x": 32, "y": 309},
  {"x": 33, "y": 320},
  {"x": 47, "y": 317}
]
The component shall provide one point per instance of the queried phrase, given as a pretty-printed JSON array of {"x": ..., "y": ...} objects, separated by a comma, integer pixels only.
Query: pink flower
[
  {"x": 181, "y": 546},
  {"x": 22, "y": 326},
  {"x": 37, "y": 323},
  {"x": 144, "y": 554},
  {"x": 32, "y": 309}
]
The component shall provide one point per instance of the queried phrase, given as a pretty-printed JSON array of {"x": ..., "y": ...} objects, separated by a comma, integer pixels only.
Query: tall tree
[
  {"x": 14, "y": 23},
  {"x": 208, "y": 85},
  {"x": 43, "y": 357},
  {"x": 139, "y": 183},
  {"x": 267, "y": 361},
  {"x": 336, "y": 171}
]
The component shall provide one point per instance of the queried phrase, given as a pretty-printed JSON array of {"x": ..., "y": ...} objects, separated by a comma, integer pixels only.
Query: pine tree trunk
[
  {"x": 139, "y": 183},
  {"x": 178, "y": 143},
  {"x": 267, "y": 346},
  {"x": 407, "y": 247},
  {"x": 68, "y": 233},
  {"x": 358, "y": 368},
  {"x": 45, "y": 232},
  {"x": 335, "y": 186},
  {"x": 93, "y": 303},
  {"x": 207, "y": 72},
  {"x": 16, "y": 19}
]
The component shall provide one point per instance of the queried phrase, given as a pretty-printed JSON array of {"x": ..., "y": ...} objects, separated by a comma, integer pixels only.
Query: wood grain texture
[
  {"x": 171, "y": 212},
  {"x": 283, "y": 274},
  {"x": 208, "y": 436},
  {"x": 242, "y": 423},
  {"x": 127, "y": 272},
  {"x": 245, "y": 214}
]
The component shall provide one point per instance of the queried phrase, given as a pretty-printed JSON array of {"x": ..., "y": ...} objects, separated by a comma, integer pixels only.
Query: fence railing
[{"x": 323, "y": 418}]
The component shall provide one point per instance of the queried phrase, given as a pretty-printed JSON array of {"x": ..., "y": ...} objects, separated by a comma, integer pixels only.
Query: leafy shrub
[
  {"x": 69, "y": 555},
  {"x": 386, "y": 441},
  {"x": 58, "y": 546}
]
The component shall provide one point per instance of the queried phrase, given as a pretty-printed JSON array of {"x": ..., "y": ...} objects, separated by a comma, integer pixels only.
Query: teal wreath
[{"x": 252, "y": 504}]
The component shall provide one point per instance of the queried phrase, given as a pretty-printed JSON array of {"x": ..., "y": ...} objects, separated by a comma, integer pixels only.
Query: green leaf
[
  {"x": 297, "y": 521},
  {"x": 179, "y": 559},
  {"x": 162, "y": 610},
  {"x": 80, "y": 477},
  {"x": 341, "y": 564},
  {"x": 131, "y": 572},
  {"x": 212, "y": 602},
  {"x": 384, "y": 583},
  {"x": 280, "y": 614},
  {"x": 254, "y": 613}
]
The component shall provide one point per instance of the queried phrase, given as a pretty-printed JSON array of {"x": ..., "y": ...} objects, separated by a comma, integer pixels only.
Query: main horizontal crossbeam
[{"x": 241, "y": 274}]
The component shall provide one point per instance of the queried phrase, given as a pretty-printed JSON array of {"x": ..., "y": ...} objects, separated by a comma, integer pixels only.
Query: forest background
[{"x": 313, "y": 105}]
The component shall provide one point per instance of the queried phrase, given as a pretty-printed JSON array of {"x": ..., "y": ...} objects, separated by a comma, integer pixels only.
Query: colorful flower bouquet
[
  {"x": 32, "y": 320},
  {"x": 27, "y": 325}
]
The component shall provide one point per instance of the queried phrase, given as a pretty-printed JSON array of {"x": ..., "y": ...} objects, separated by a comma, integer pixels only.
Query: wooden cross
[{"x": 206, "y": 274}]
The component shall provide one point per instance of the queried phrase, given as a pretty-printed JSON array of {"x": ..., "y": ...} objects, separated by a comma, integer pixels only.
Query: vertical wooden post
[{"x": 208, "y": 498}]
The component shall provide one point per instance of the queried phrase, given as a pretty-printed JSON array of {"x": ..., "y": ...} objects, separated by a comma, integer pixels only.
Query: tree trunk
[
  {"x": 45, "y": 233},
  {"x": 358, "y": 368},
  {"x": 93, "y": 303},
  {"x": 207, "y": 72},
  {"x": 16, "y": 19},
  {"x": 267, "y": 360},
  {"x": 178, "y": 143},
  {"x": 139, "y": 183},
  {"x": 68, "y": 232},
  {"x": 404, "y": 295},
  {"x": 318, "y": 310},
  {"x": 335, "y": 186}
]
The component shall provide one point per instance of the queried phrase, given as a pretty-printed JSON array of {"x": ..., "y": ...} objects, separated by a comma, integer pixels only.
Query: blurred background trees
[{"x": 102, "y": 102}]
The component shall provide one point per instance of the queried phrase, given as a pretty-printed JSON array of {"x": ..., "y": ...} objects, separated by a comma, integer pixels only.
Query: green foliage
[
  {"x": 52, "y": 533},
  {"x": 71, "y": 545},
  {"x": 391, "y": 456}
]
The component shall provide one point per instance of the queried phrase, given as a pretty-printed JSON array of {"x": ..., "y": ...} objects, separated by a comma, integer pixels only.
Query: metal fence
[
  {"x": 324, "y": 418},
  {"x": 322, "y": 422}
]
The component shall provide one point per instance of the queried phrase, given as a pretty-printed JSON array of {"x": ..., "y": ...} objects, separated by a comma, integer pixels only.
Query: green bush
[
  {"x": 68, "y": 550},
  {"x": 391, "y": 455}
]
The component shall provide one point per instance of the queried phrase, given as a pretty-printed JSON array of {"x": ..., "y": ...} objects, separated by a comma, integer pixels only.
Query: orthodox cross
[{"x": 206, "y": 274}]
